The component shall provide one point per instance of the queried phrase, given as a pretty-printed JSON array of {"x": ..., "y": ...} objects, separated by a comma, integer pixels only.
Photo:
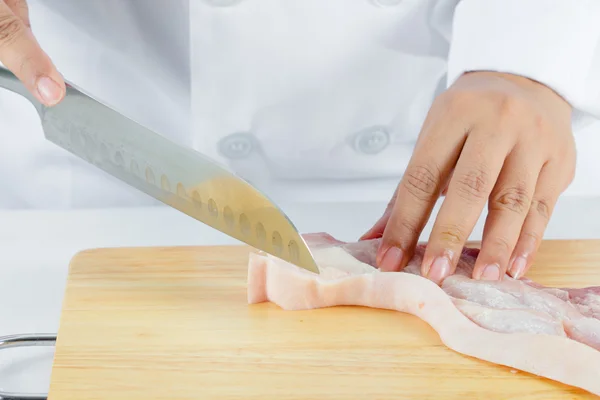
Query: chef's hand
[
  {"x": 21, "y": 54},
  {"x": 490, "y": 138}
]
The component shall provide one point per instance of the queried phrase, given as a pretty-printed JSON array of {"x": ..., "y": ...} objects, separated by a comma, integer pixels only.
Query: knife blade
[{"x": 177, "y": 176}]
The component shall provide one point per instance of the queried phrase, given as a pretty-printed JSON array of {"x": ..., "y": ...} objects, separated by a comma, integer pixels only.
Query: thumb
[
  {"x": 376, "y": 231},
  {"x": 22, "y": 55}
]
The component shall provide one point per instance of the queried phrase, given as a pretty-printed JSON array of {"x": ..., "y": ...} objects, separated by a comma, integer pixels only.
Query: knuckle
[
  {"x": 542, "y": 207},
  {"x": 473, "y": 184},
  {"x": 533, "y": 235},
  {"x": 410, "y": 227},
  {"x": 509, "y": 106},
  {"x": 10, "y": 29},
  {"x": 25, "y": 61},
  {"x": 502, "y": 245},
  {"x": 20, "y": 5},
  {"x": 541, "y": 124},
  {"x": 511, "y": 109},
  {"x": 24, "y": 11},
  {"x": 514, "y": 198},
  {"x": 457, "y": 101},
  {"x": 422, "y": 181},
  {"x": 452, "y": 234}
]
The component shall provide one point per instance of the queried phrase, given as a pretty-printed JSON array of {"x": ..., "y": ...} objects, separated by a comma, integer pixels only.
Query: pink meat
[{"x": 549, "y": 332}]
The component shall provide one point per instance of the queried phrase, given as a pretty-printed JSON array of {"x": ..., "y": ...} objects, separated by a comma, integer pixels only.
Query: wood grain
[{"x": 174, "y": 323}]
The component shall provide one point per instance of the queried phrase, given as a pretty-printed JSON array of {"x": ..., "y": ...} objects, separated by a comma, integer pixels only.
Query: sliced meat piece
[
  {"x": 509, "y": 294},
  {"x": 584, "y": 330},
  {"x": 549, "y": 332},
  {"x": 510, "y": 320},
  {"x": 587, "y": 300}
]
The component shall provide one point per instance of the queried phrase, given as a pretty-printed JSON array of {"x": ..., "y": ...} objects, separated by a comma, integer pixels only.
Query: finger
[
  {"x": 473, "y": 180},
  {"x": 21, "y": 53},
  {"x": 508, "y": 206},
  {"x": 20, "y": 9},
  {"x": 546, "y": 194},
  {"x": 433, "y": 159}
]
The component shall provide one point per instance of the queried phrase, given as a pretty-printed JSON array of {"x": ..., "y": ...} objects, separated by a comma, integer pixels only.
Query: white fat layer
[{"x": 335, "y": 262}]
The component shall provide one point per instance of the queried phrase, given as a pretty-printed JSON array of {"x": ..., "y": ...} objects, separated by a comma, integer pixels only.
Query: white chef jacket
[{"x": 311, "y": 100}]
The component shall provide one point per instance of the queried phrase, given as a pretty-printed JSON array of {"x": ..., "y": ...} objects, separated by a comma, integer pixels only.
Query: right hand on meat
[{"x": 22, "y": 55}]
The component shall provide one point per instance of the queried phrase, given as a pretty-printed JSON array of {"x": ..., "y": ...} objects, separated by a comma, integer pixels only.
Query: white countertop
[{"x": 36, "y": 247}]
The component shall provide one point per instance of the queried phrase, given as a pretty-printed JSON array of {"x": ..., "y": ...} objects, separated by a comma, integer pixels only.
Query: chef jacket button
[
  {"x": 372, "y": 141},
  {"x": 387, "y": 3},
  {"x": 237, "y": 146},
  {"x": 222, "y": 3}
]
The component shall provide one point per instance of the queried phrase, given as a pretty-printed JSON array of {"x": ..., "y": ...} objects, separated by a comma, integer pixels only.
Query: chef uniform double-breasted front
[{"x": 310, "y": 100}]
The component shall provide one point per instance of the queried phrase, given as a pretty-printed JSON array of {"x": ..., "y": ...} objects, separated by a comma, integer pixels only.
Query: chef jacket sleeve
[{"x": 554, "y": 42}]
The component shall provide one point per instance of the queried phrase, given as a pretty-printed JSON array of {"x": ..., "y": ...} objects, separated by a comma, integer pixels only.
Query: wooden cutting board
[{"x": 174, "y": 323}]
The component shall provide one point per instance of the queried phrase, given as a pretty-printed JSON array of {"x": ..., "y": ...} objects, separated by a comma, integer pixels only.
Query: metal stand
[{"x": 8, "y": 342}]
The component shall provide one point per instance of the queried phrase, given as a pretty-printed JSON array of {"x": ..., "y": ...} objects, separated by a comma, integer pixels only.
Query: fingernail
[
  {"x": 440, "y": 268},
  {"x": 49, "y": 90},
  {"x": 518, "y": 267},
  {"x": 391, "y": 259},
  {"x": 491, "y": 273}
]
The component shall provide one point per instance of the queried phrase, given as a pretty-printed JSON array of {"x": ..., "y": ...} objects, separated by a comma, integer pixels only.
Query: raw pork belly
[{"x": 549, "y": 332}]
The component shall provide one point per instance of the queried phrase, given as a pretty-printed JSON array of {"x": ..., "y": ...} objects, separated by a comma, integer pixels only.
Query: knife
[{"x": 175, "y": 175}]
